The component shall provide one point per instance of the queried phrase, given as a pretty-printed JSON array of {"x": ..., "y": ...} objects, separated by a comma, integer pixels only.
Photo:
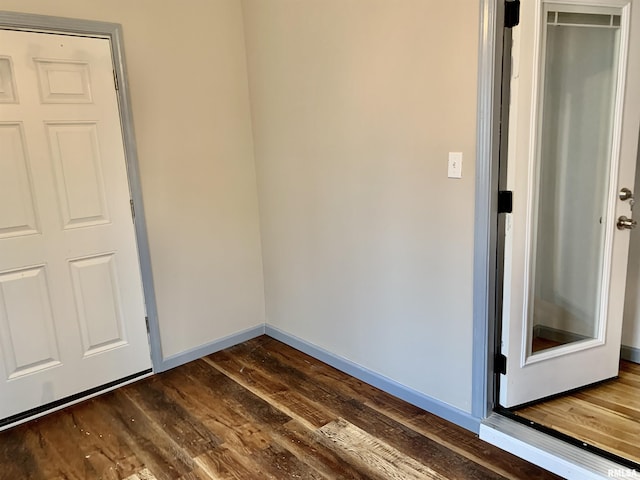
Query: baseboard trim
[
  {"x": 557, "y": 335},
  {"x": 430, "y": 404},
  {"x": 631, "y": 354},
  {"x": 209, "y": 348}
]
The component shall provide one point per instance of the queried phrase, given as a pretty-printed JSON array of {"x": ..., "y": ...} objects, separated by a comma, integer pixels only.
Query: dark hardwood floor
[{"x": 259, "y": 410}]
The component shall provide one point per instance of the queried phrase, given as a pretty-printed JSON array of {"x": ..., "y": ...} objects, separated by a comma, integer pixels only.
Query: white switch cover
[{"x": 455, "y": 165}]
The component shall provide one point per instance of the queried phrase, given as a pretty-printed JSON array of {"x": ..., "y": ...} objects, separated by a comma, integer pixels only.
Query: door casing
[
  {"x": 485, "y": 277},
  {"x": 112, "y": 32}
]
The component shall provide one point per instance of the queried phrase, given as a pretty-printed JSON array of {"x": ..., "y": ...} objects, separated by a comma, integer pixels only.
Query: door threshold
[
  {"x": 37, "y": 412},
  {"x": 549, "y": 452},
  {"x": 567, "y": 438}
]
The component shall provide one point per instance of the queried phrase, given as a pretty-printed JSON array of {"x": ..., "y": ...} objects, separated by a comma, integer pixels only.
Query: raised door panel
[
  {"x": 28, "y": 339},
  {"x": 8, "y": 93},
  {"x": 98, "y": 303},
  {"x": 63, "y": 81},
  {"x": 17, "y": 205},
  {"x": 79, "y": 181}
]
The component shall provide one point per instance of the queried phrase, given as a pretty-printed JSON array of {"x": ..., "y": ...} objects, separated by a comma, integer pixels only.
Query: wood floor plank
[
  {"x": 567, "y": 412},
  {"x": 260, "y": 410},
  {"x": 186, "y": 431},
  {"x": 222, "y": 466},
  {"x": 629, "y": 370},
  {"x": 435, "y": 428},
  {"x": 158, "y": 451},
  {"x": 272, "y": 389},
  {"x": 605, "y": 415},
  {"x": 143, "y": 474},
  {"x": 326, "y": 461},
  {"x": 198, "y": 383},
  {"x": 374, "y": 455},
  {"x": 61, "y": 449},
  {"x": 606, "y": 403},
  {"x": 616, "y": 392},
  {"x": 19, "y": 455},
  {"x": 348, "y": 397},
  {"x": 265, "y": 420},
  {"x": 596, "y": 430},
  {"x": 223, "y": 417},
  {"x": 587, "y": 435},
  {"x": 370, "y": 420},
  {"x": 111, "y": 456}
]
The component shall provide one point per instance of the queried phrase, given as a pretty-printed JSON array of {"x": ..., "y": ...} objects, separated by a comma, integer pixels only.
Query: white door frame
[{"x": 113, "y": 32}]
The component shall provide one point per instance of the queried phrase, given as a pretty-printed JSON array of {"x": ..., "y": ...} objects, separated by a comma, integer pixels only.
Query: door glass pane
[{"x": 574, "y": 155}]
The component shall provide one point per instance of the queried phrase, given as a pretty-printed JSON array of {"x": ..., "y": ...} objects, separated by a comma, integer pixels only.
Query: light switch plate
[{"x": 455, "y": 165}]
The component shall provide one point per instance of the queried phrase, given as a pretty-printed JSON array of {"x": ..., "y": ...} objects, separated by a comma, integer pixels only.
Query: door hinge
[
  {"x": 505, "y": 201},
  {"x": 511, "y": 13},
  {"x": 146, "y": 322},
  {"x": 115, "y": 80},
  {"x": 133, "y": 210},
  {"x": 500, "y": 364}
]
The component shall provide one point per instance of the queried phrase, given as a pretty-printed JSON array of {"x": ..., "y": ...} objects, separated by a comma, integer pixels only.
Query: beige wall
[
  {"x": 188, "y": 79},
  {"x": 367, "y": 244}
]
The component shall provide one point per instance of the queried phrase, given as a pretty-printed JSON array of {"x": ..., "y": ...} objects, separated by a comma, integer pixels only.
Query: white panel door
[
  {"x": 573, "y": 144},
  {"x": 72, "y": 314}
]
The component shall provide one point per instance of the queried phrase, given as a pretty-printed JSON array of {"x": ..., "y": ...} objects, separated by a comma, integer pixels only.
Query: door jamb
[
  {"x": 486, "y": 207},
  {"x": 113, "y": 32}
]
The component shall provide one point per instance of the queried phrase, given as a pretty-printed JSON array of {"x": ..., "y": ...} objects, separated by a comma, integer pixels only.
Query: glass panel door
[{"x": 574, "y": 118}]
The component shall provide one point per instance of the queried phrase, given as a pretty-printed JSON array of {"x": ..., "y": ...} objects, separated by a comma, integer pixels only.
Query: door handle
[
  {"x": 625, "y": 194},
  {"x": 625, "y": 223}
]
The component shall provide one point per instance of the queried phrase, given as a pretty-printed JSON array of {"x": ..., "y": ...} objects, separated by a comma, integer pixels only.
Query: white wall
[
  {"x": 190, "y": 102},
  {"x": 367, "y": 245}
]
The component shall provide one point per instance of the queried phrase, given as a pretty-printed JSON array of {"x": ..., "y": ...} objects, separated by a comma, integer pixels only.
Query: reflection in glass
[{"x": 580, "y": 75}]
